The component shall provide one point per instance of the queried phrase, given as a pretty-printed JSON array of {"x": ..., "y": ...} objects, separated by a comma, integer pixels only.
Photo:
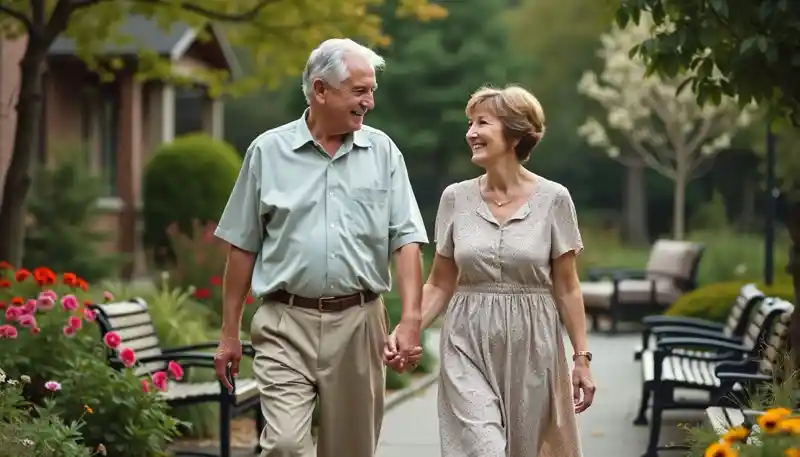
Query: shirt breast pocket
[{"x": 368, "y": 215}]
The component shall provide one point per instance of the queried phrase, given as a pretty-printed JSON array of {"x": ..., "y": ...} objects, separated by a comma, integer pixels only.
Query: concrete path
[{"x": 606, "y": 428}]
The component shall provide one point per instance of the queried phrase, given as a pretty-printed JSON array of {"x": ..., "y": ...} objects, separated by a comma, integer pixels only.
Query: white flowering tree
[{"x": 670, "y": 132}]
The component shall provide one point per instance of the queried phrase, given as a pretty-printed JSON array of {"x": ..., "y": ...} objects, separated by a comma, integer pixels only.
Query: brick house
[{"x": 118, "y": 123}]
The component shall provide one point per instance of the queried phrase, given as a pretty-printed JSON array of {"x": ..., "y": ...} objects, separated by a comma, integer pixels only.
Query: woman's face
[{"x": 485, "y": 138}]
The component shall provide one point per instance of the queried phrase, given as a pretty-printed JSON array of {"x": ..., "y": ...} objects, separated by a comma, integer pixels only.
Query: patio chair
[
  {"x": 628, "y": 295},
  {"x": 131, "y": 320}
]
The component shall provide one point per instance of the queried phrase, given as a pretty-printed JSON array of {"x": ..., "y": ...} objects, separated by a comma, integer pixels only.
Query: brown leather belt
[{"x": 322, "y": 304}]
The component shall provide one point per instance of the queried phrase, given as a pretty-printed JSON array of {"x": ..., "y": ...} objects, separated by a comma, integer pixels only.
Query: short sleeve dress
[{"x": 504, "y": 383}]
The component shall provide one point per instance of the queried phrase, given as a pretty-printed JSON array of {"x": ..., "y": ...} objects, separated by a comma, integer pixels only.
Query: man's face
[{"x": 344, "y": 107}]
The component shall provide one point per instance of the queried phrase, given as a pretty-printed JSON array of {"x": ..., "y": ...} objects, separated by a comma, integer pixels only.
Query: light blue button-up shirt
[{"x": 322, "y": 226}]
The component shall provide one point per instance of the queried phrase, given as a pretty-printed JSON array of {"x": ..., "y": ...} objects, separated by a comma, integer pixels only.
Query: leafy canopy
[
  {"x": 753, "y": 44},
  {"x": 275, "y": 35}
]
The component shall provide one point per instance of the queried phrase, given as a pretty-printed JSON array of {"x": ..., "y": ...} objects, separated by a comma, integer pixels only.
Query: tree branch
[
  {"x": 215, "y": 15},
  {"x": 649, "y": 157},
  {"x": 18, "y": 16}
]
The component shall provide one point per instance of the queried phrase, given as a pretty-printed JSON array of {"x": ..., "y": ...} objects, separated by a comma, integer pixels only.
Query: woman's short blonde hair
[{"x": 519, "y": 111}]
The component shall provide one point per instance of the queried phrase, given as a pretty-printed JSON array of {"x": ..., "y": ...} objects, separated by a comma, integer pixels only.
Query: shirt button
[
  {"x": 333, "y": 256},
  {"x": 330, "y": 193},
  {"x": 333, "y": 225}
]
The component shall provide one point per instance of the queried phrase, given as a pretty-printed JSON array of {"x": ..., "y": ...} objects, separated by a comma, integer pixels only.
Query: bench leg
[
  {"x": 224, "y": 427},
  {"x": 260, "y": 424},
  {"x": 596, "y": 322},
  {"x": 641, "y": 417},
  {"x": 659, "y": 395},
  {"x": 614, "y": 321}
]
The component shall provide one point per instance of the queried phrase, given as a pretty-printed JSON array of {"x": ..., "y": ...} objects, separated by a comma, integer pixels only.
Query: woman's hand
[
  {"x": 583, "y": 387},
  {"x": 392, "y": 358}
]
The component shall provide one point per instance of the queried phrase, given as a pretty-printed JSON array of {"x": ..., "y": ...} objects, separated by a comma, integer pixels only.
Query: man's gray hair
[{"x": 327, "y": 62}]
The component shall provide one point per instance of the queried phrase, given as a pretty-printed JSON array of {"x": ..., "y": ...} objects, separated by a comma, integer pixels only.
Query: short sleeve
[
  {"x": 405, "y": 220},
  {"x": 444, "y": 222},
  {"x": 565, "y": 235},
  {"x": 241, "y": 223}
]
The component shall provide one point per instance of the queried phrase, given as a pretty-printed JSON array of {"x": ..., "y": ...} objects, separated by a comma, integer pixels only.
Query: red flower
[
  {"x": 145, "y": 385},
  {"x": 249, "y": 299},
  {"x": 35, "y": 330},
  {"x": 83, "y": 285},
  {"x": 2, "y": 304},
  {"x": 21, "y": 275},
  {"x": 17, "y": 301},
  {"x": 68, "y": 331},
  {"x": 160, "y": 379},
  {"x": 5, "y": 283},
  {"x": 75, "y": 322},
  {"x": 202, "y": 293},
  {"x": 5, "y": 265},
  {"x": 44, "y": 276},
  {"x": 70, "y": 279},
  {"x": 175, "y": 370},
  {"x": 127, "y": 356},
  {"x": 112, "y": 340},
  {"x": 215, "y": 281},
  {"x": 89, "y": 314}
]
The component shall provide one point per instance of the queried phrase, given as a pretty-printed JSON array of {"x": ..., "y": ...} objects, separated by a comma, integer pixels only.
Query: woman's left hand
[{"x": 582, "y": 384}]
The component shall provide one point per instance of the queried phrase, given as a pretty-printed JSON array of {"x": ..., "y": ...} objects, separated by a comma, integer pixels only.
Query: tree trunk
[
  {"x": 793, "y": 268},
  {"x": 635, "y": 206},
  {"x": 26, "y": 135},
  {"x": 679, "y": 207}
]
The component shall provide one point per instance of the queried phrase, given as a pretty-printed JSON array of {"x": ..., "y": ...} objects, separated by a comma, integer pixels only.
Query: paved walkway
[{"x": 606, "y": 428}]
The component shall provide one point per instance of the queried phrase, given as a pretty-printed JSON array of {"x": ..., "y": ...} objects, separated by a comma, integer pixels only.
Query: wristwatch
[{"x": 586, "y": 354}]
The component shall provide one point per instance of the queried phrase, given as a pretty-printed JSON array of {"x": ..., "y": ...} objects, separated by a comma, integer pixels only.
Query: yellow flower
[
  {"x": 770, "y": 419},
  {"x": 791, "y": 452},
  {"x": 88, "y": 409},
  {"x": 721, "y": 449},
  {"x": 790, "y": 425},
  {"x": 735, "y": 434}
]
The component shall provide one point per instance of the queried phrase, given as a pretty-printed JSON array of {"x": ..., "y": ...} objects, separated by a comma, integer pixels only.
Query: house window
[
  {"x": 108, "y": 117},
  {"x": 189, "y": 103}
]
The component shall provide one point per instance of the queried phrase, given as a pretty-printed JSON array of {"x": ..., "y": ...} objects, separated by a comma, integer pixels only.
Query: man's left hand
[{"x": 406, "y": 338}]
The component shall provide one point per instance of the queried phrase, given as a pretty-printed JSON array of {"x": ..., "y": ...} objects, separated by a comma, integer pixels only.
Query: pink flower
[
  {"x": 69, "y": 302},
  {"x": 127, "y": 356},
  {"x": 14, "y": 312},
  {"x": 27, "y": 321},
  {"x": 35, "y": 330},
  {"x": 68, "y": 331},
  {"x": 112, "y": 340},
  {"x": 108, "y": 296},
  {"x": 52, "y": 386},
  {"x": 49, "y": 294},
  {"x": 30, "y": 306},
  {"x": 89, "y": 314},
  {"x": 8, "y": 331},
  {"x": 74, "y": 322},
  {"x": 175, "y": 370},
  {"x": 45, "y": 302},
  {"x": 160, "y": 380},
  {"x": 145, "y": 385}
]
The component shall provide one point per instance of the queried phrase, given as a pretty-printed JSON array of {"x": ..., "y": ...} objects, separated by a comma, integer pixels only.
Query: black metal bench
[
  {"x": 657, "y": 327},
  {"x": 131, "y": 320},
  {"x": 664, "y": 369}
]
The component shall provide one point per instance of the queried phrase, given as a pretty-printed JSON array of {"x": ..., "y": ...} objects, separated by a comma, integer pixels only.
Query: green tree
[
  {"x": 277, "y": 33},
  {"x": 432, "y": 68},
  {"x": 746, "y": 49}
]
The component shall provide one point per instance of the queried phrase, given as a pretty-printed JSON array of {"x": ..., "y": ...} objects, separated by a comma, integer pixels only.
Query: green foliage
[
  {"x": 736, "y": 256},
  {"x": 744, "y": 49},
  {"x": 63, "y": 214},
  {"x": 186, "y": 180},
  {"x": 27, "y": 430},
  {"x": 714, "y": 301},
  {"x": 711, "y": 215}
]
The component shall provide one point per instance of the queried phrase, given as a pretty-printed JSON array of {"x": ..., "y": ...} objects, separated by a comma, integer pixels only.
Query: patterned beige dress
[{"x": 504, "y": 385}]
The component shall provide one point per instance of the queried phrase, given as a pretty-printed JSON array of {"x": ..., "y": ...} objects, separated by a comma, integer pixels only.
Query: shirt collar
[{"x": 302, "y": 135}]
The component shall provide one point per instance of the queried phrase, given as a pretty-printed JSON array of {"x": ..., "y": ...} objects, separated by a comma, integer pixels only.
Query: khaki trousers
[{"x": 302, "y": 354}]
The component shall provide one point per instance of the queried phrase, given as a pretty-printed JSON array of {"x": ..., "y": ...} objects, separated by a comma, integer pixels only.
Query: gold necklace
[{"x": 497, "y": 203}]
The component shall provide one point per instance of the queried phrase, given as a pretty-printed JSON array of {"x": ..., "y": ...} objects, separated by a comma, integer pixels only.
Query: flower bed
[
  {"x": 777, "y": 434},
  {"x": 59, "y": 395}
]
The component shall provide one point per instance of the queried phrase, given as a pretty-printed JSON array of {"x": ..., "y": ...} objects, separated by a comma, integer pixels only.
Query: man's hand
[
  {"x": 402, "y": 347},
  {"x": 229, "y": 351}
]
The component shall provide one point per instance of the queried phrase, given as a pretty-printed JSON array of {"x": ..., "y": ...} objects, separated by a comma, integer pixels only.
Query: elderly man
[{"x": 319, "y": 205}]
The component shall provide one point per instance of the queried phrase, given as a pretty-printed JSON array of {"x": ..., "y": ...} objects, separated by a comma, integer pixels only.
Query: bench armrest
[
  {"x": 676, "y": 331},
  {"x": 658, "y": 321},
  {"x": 744, "y": 378}
]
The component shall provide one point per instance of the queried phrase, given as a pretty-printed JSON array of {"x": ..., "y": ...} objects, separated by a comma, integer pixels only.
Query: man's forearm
[
  {"x": 408, "y": 265},
  {"x": 236, "y": 284}
]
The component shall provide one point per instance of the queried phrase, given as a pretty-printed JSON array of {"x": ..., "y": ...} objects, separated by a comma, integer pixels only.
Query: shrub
[
  {"x": 62, "y": 211},
  {"x": 48, "y": 334},
  {"x": 187, "y": 179},
  {"x": 714, "y": 301},
  {"x": 27, "y": 430}
]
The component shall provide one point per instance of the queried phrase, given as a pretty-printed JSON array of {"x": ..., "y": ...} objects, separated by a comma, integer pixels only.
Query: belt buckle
[{"x": 321, "y": 303}]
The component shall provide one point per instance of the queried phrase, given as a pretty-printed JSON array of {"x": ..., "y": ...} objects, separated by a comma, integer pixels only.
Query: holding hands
[{"x": 402, "y": 350}]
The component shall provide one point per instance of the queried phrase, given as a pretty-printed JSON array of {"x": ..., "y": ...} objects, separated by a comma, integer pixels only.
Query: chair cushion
[{"x": 631, "y": 292}]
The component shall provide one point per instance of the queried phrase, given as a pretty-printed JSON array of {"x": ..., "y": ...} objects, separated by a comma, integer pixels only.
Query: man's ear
[{"x": 318, "y": 87}]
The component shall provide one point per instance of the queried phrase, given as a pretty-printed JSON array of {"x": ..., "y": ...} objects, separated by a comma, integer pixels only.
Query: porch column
[
  {"x": 162, "y": 115},
  {"x": 129, "y": 166},
  {"x": 213, "y": 113}
]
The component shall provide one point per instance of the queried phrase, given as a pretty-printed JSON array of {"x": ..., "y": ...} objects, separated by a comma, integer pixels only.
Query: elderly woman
[{"x": 506, "y": 247}]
